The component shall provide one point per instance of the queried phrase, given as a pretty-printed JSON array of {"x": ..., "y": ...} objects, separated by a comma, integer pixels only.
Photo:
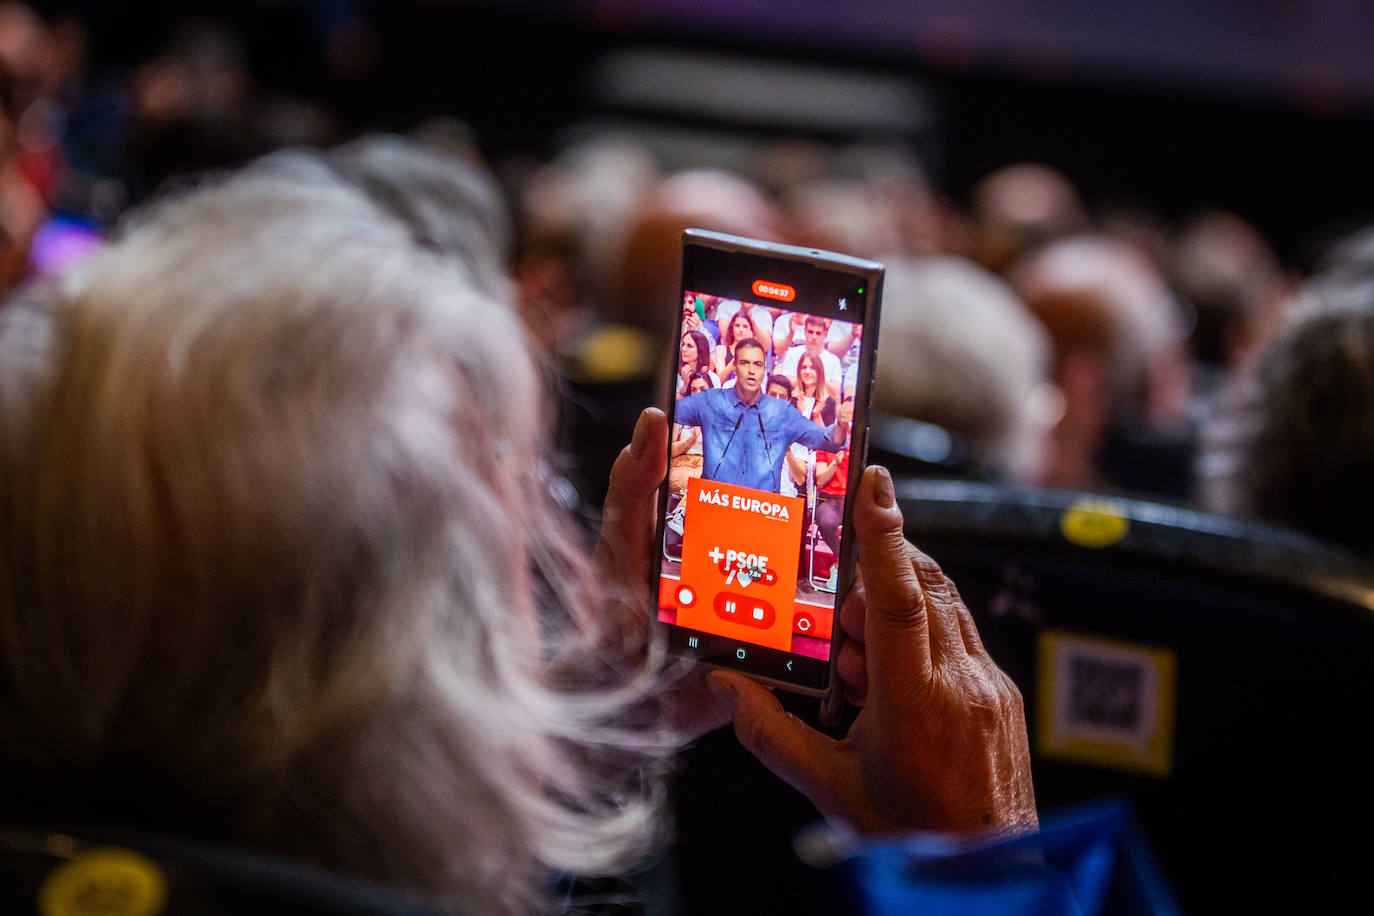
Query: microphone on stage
[{"x": 725, "y": 451}]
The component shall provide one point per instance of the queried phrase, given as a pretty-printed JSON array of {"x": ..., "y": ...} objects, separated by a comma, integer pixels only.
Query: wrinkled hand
[
  {"x": 624, "y": 554},
  {"x": 941, "y": 741}
]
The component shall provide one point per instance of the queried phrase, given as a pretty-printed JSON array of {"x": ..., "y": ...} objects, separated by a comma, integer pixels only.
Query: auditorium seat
[
  {"x": 1250, "y": 649},
  {"x": 80, "y": 869}
]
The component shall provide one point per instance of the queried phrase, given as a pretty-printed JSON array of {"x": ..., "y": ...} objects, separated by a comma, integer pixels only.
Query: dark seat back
[
  {"x": 1214, "y": 672},
  {"x": 117, "y": 871}
]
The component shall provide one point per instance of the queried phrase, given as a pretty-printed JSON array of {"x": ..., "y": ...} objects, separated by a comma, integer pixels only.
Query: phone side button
[{"x": 866, "y": 431}]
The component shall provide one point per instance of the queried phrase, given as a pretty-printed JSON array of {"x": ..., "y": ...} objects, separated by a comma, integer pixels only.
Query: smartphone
[{"x": 770, "y": 373}]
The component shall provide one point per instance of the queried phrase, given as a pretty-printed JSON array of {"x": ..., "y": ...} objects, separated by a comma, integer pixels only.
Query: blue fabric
[
  {"x": 745, "y": 444},
  {"x": 1084, "y": 861}
]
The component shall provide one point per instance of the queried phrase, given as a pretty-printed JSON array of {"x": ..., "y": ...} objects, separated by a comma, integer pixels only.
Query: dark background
[{"x": 1262, "y": 108}]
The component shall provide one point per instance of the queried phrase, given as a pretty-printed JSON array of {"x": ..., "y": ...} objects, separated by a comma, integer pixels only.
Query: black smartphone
[{"x": 770, "y": 373}]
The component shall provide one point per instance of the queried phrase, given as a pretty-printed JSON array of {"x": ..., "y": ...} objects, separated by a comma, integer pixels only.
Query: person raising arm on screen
[{"x": 746, "y": 435}]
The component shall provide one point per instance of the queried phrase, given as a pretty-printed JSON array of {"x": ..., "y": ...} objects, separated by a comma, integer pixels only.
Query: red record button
[{"x": 751, "y": 612}]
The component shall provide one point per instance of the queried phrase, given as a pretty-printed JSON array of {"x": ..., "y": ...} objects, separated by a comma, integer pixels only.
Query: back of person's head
[
  {"x": 451, "y": 205},
  {"x": 961, "y": 352},
  {"x": 1020, "y": 207},
  {"x": 1225, "y": 268},
  {"x": 1100, "y": 296},
  {"x": 1309, "y": 458},
  {"x": 279, "y": 565},
  {"x": 649, "y": 266}
]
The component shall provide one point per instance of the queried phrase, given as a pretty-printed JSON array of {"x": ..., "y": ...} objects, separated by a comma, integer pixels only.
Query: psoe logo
[
  {"x": 742, "y": 566},
  {"x": 762, "y": 507}
]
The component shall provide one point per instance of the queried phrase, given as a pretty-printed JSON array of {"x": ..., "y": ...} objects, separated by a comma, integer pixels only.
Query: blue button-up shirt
[{"x": 745, "y": 444}]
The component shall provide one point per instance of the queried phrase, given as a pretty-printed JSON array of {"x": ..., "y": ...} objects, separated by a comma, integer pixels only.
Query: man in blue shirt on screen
[{"x": 745, "y": 435}]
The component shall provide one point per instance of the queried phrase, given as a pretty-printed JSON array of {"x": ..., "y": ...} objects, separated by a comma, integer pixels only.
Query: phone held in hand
[{"x": 771, "y": 372}]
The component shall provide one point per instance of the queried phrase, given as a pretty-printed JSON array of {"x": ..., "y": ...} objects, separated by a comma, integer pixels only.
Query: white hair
[
  {"x": 959, "y": 350},
  {"x": 281, "y": 564}
]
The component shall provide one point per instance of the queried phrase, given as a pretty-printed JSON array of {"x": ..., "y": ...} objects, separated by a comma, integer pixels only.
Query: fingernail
[
  {"x": 883, "y": 493},
  {"x": 639, "y": 444},
  {"x": 722, "y": 689}
]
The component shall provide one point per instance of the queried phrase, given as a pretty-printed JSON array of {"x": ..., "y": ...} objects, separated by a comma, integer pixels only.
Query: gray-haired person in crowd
[
  {"x": 451, "y": 205},
  {"x": 279, "y": 567}
]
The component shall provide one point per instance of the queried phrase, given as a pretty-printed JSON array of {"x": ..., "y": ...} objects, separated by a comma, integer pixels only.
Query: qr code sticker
[
  {"x": 1106, "y": 702},
  {"x": 1104, "y": 693}
]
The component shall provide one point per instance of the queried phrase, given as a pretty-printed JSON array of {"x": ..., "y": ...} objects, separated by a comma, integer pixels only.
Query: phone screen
[{"x": 771, "y": 383}]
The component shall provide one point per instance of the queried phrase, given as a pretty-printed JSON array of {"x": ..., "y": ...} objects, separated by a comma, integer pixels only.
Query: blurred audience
[
  {"x": 1295, "y": 442},
  {"x": 961, "y": 352},
  {"x": 451, "y": 205},
  {"x": 589, "y": 239},
  {"x": 1020, "y": 207},
  {"x": 1224, "y": 268},
  {"x": 1120, "y": 361},
  {"x": 648, "y": 266}
]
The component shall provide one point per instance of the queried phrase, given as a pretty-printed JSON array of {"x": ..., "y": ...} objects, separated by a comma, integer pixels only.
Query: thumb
[
  {"x": 802, "y": 757},
  {"x": 627, "y": 517}
]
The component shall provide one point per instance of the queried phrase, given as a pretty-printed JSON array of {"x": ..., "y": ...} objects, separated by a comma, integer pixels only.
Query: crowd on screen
[{"x": 798, "y": 348}]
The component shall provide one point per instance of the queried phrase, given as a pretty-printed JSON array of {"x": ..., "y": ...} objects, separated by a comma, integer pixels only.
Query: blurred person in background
[
  {"x": 648, "y": 268},
  {"x": 279, "y": 568},
  {"x": 22, "y": 207},
  {"x": 451, "y": 204},
  {"x": 1296, "y": 444},
  {"x": 1226, "y": 270},
  {"x": 1020, "y": 207},
  {"x": 190, "y": 108},
  {"x": 615, "y": 360},
  {"x": 962, "y": 353},
  {"x": 867, "y": 200},
  {"x": 1121, "y": 363},
  {"x": 574, "y": 212}
]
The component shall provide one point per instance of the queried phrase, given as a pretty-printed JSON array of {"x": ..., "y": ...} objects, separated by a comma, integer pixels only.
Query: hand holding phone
[{"x": 941, "y": 741}]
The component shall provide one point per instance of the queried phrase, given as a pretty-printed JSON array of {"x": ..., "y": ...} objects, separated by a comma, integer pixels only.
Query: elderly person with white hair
[{"x": 280, "y": 568}]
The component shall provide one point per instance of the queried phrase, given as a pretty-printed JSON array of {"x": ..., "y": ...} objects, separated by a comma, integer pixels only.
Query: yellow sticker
[
  {"x": 1094, "y": 523},
  {"x": 1106, "y": 703},
  {"x": 104, "y": 882}
]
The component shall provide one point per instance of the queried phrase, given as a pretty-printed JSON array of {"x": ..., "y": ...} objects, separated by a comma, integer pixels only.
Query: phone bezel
[{"x": 791, "y": 261}]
